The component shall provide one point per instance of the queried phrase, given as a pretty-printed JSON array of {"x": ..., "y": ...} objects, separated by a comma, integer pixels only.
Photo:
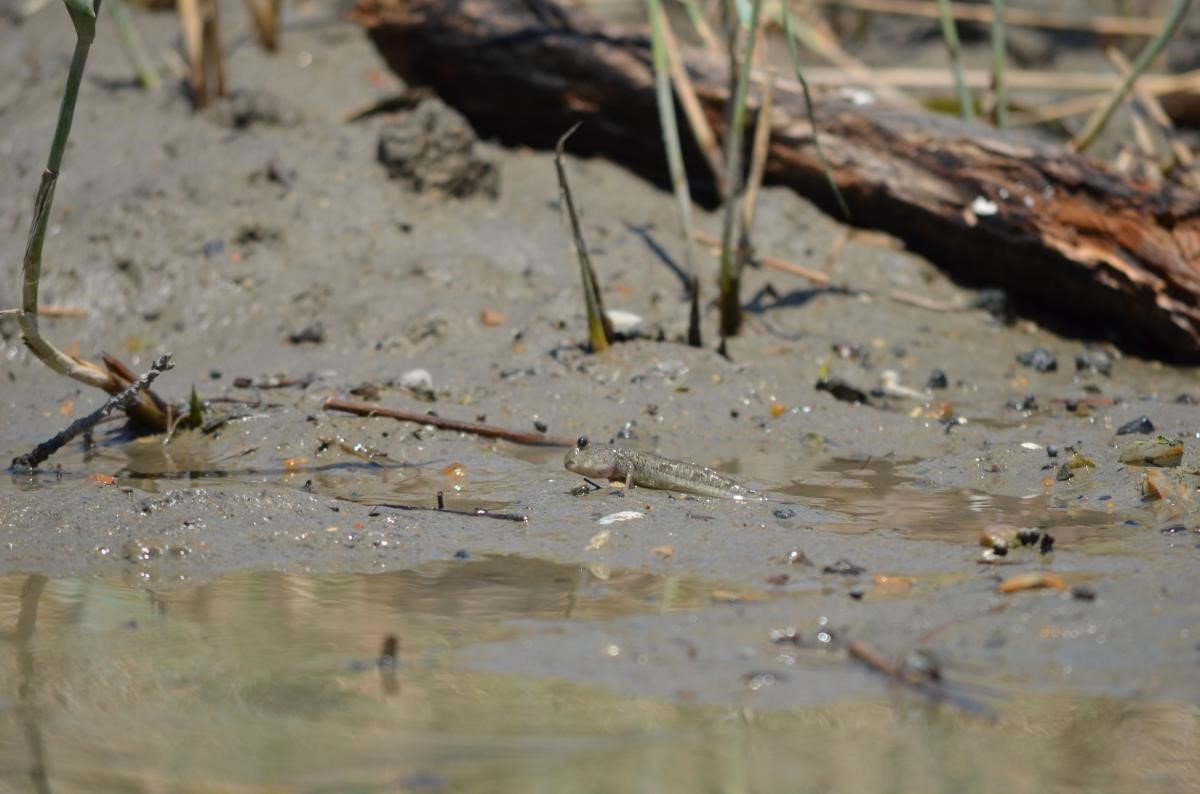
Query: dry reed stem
[
  {"x": 702, "y": 131},
  {"x": 1018, "y": 79},
  {"x": 758, "y": 154},
  {"x": 475, "y": 428},
  {"x": 1016, "y": 17},
  {"x": 772, "y": 262},
  {"x": 264, "y": 14},
  {"x": 1179, "y": 150}
]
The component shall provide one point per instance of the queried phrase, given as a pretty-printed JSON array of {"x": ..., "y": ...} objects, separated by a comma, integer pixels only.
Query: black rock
[
  {"x": 842, "y": 390},
  {"x": 1052, "y": 451},
  {"x": 844, "y": 567},
  {"x": 784, "y": 512},
  {"x": 937, "y": 380},
  {"x": 1039, "y": 358},
  {"x": 1140, "y": 425},
  {"x": 1095, "y": 360}
]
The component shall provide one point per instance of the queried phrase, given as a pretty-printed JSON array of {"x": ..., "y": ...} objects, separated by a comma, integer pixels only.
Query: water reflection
[{"x": 265, "y": 681}]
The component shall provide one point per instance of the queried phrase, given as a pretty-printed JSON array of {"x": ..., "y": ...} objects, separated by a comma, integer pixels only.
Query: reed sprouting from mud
[
  {"x": 740, "y": 65},
  {"x": 264, "y": 14},
  {"x": 1095, "y": 125},
  {"x": 131, "y": 41},
  {"x": 674, "y": 149},
  {"x": 146, "y": 407},
  {"x": 999, "y": 83},
  {"x": 966, "y": 106},
  {"x": 600, "y": 333}
]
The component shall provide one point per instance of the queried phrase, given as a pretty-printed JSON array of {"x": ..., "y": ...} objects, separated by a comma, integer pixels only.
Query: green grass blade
[
  {"x": 670, "y": 132},
  {"x": 966, "y": 107},
  {"x": 999, "y": 84},
  {"x": 1095, "y": 125},
  {"x": 600, "y": 334},
  {"x": 794, "y": 51},
  {"x": 730, "y": 300}
]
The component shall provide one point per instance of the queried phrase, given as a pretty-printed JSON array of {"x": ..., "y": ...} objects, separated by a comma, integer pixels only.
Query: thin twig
[
  {"x": 701, "y": 26},
  {"x": 600, "y": 333},
  {"x": 966, "y": 105},
  {"x": 914, "y": 77},
  {"x": 478, "y": 512},
  {"x": 476, "y": 428},
  {"x": 124, "y": 399},
  {"x": 932, "y": 689},
  {"x": 1099, "y": 119}
]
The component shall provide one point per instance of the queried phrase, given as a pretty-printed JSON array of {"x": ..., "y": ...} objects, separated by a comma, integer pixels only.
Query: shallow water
[{"x": 264, "y": 682}]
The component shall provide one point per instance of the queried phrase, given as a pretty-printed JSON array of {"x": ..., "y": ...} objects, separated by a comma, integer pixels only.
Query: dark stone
[
  {"x": 937, "y": 380},
  {"x": 1095, "y": 360},
  {"x": 784, "y": 513},
  {"x": 844, "y": 567},
  {"x": 842, "y": 390},
  {"x": 1140, "y": 425},
  {"x": 1039, "y": 358}
]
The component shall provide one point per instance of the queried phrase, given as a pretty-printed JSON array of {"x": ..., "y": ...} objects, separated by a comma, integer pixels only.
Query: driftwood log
[{"x": 1068, "y": 237}]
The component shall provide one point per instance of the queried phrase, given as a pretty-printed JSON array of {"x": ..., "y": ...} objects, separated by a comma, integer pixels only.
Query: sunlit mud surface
[
  {"x": 263, "y": 682},
  {"x": 205, "y": 610}
]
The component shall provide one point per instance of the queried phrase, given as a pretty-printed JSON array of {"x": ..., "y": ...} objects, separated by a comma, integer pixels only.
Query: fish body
[{"x": 651, "y": 471}]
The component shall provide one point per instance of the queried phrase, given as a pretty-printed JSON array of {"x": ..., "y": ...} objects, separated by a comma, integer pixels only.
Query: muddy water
[{"x": 268, "y": 682}]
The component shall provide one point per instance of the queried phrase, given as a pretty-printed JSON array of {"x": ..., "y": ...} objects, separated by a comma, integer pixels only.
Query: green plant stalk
[
  {"x": 1097, "y": 122},
  {"x": 83, "y": 15},
  {"x": 731, "y": 308},
  {"x": 966, "y": 107},
  {"x": 670, "y": 132},
  {"x": 600, "y": 333},
  {"x": 999, "y": 84},
  {"x": 139, "y": 61},
  {"x": 794, "y": 51},
  {"x": 700, "y": 24}
]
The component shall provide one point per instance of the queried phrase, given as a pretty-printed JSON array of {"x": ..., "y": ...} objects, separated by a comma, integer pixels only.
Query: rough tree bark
[{"x": 1069, "y": 235}]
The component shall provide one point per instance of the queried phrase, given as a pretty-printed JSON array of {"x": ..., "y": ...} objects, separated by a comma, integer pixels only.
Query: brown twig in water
[
  {"x": 930, "y": 688},
  {"x": 478, "y": 512},
  {"x": 773, "y": 262},
  {"x": 476, "y": 428},
  {"x": 124, "y": 399}
]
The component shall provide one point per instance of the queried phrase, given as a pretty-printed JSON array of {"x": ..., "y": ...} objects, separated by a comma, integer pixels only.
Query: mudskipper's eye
[{"x": 581, "y": 443}]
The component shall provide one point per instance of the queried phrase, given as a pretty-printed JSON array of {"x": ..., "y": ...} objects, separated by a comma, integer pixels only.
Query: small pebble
[
  {"x": 937, "y": 380},
  {"x": 1095, "y": 360},
  {"x": 1052, "y": 452},
  {"x": 857, "y": 593},
  {"x": 1039, "y": 358},
  {"x": 784, "y": 512},
  {"x": 1140, "y": 425}
]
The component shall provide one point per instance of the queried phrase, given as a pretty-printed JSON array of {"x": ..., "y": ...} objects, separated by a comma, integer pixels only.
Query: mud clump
[{"x": 432, "y": 148}]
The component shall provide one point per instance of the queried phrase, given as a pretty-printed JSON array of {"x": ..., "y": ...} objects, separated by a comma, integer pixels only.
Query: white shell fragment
[
  {"x": 624, "y": 515},
  {"x": 982, "y": 206},
  {"x": 599, "y": 540},
  {"x": 1030, "y": 445}
]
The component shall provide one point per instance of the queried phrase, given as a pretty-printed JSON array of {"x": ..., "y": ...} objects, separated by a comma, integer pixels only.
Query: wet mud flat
[{"x": 209, "y": 612}]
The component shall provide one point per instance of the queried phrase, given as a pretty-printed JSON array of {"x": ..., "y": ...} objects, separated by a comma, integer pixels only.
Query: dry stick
[
  {"x": 1018, "y": 79},
  {"x": 702, "y": 131},
  {"x": 124, "y": 399},
  {"x": 966, "y": 106},
  {"x": 600, "y": 333},
  {"x": 265, "y": 18},
  {"x": 1179, "y": 151},
  {"x": 872, "y": 658},
  {"x": 1018, "y": 17},
  {"x": 670, "y": 132},
  {"x": 1100, "y": 118},
  {"x": 758, "y": 156},
  {"x": 476, "y": 513},
  {"x": 476, "y": 428},
  {"x": 773, "y": 262}
]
